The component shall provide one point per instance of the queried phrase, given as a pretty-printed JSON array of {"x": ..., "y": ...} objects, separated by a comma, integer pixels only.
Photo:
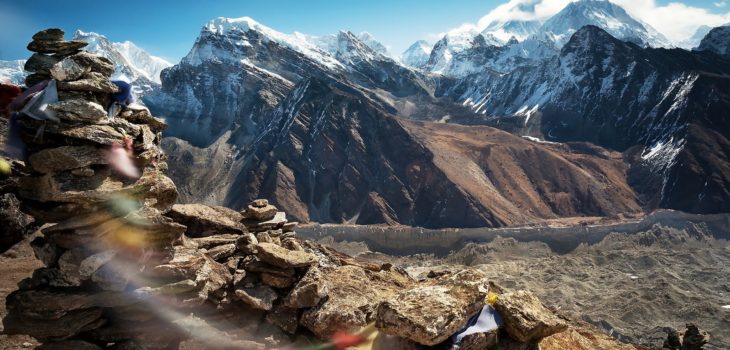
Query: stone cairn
[{"x": 126, "y": 268}]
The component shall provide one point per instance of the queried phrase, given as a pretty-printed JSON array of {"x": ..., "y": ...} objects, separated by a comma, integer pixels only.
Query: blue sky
[{"x": 168, "y": 28}]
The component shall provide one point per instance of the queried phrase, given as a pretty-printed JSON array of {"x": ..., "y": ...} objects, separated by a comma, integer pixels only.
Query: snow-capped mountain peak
[
  {"x": 374, "y": 44},
  {"x": 518, "y": 29},
  {"x": 236, "y": 32},
  {"x": 417, "y": 54},
  {"x": 141, "y": 61},
  {"x": 223, "y": 25},
  {"x": 695, "y": 39},
  {"x": 452, "y": 43},
  {"x": 603, "y": 14},
  {"x": 133, "y": 64},
  {"x": 345, "y": 46}
]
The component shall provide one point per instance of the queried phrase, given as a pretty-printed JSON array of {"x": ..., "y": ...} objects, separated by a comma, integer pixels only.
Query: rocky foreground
[{"x": 126, "y": 268}]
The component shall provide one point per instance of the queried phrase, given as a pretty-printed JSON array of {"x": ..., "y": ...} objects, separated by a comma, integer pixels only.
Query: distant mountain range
[
  {"x": 588, "y": 113},
  {"x": 329, "y": 127},
  {"x": 532, "y": 40}
]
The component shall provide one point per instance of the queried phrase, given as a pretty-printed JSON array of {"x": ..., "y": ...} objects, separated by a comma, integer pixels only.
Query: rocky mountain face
[
  {"x": 330, "y": 153},
  {"x": 373, "y": 43},
  {"x": 452, "y": 44},
  {"x": 244, "y": 70},
  {"x": 321, "y": 127},
  {"x": 483, "y": 55},
  {"x": 617, "y": 94},
  {"x": 717, "y": 40}
]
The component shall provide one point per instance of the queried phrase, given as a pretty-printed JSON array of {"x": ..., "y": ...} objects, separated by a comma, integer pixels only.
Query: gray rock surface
[
  {"x": 430, "y": 313},
  {"x": 526, "y": 319}
]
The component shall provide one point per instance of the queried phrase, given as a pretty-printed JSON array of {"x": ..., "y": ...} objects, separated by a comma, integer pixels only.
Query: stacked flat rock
[
  {"x": 50, "y": 48},
  {"x": 109, "y": 231},
  {"x": 70, "y": 158},
  {"x": 260, "y": 216}
]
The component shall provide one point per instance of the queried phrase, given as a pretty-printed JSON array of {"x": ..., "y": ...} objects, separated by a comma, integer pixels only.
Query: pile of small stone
[
  {"x": 50, "y": 48},
  {"x": 70, "y": 157},
  {"x": 260, "y": 216},
  {"x": 110, "y": 229}
]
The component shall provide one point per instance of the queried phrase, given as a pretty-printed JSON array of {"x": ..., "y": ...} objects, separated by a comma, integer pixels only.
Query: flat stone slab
[{"x": 282, "y": 257}]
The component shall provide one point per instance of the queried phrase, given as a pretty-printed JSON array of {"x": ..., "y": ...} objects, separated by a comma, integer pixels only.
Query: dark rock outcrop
[
  {"x": 665, "y": 108},
  {"x": 334, "y": 155},
  {"x": 15, "y": 224}
]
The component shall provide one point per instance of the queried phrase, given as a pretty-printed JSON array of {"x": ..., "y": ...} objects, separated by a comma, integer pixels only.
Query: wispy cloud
[
  {"x": 722, "y": 3},
  {"x": 676, "y": 20}
]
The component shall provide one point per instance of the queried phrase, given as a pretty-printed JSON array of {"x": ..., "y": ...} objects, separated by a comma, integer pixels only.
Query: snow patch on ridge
[{"x": 223, "y": 26}]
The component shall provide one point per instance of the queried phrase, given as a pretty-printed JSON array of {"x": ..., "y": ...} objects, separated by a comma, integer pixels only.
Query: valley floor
[{"x": 631, "y": 286}]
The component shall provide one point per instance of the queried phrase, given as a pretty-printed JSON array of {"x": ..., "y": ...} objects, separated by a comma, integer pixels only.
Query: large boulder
[
  {"x": 526, "y": 319},
  {"x": 141, "y": 115},
  {"x": 694, "y": 338},
  {"x": 431, "y": 312},
  {"x": 277, "y": 221},
  {"x": 50, "y": 34},
  {"x": 352, "y": 299},
  {"x": 40, "y": 63},
  {"x": 193, "y": 277},
  {"x": 203, "y": 220},
  {"x": 309, "y": 291},
  {"x": 96, "y": 63},
  {"x": 88, "y": 193},
  {"x": 257, "y": 297}
]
